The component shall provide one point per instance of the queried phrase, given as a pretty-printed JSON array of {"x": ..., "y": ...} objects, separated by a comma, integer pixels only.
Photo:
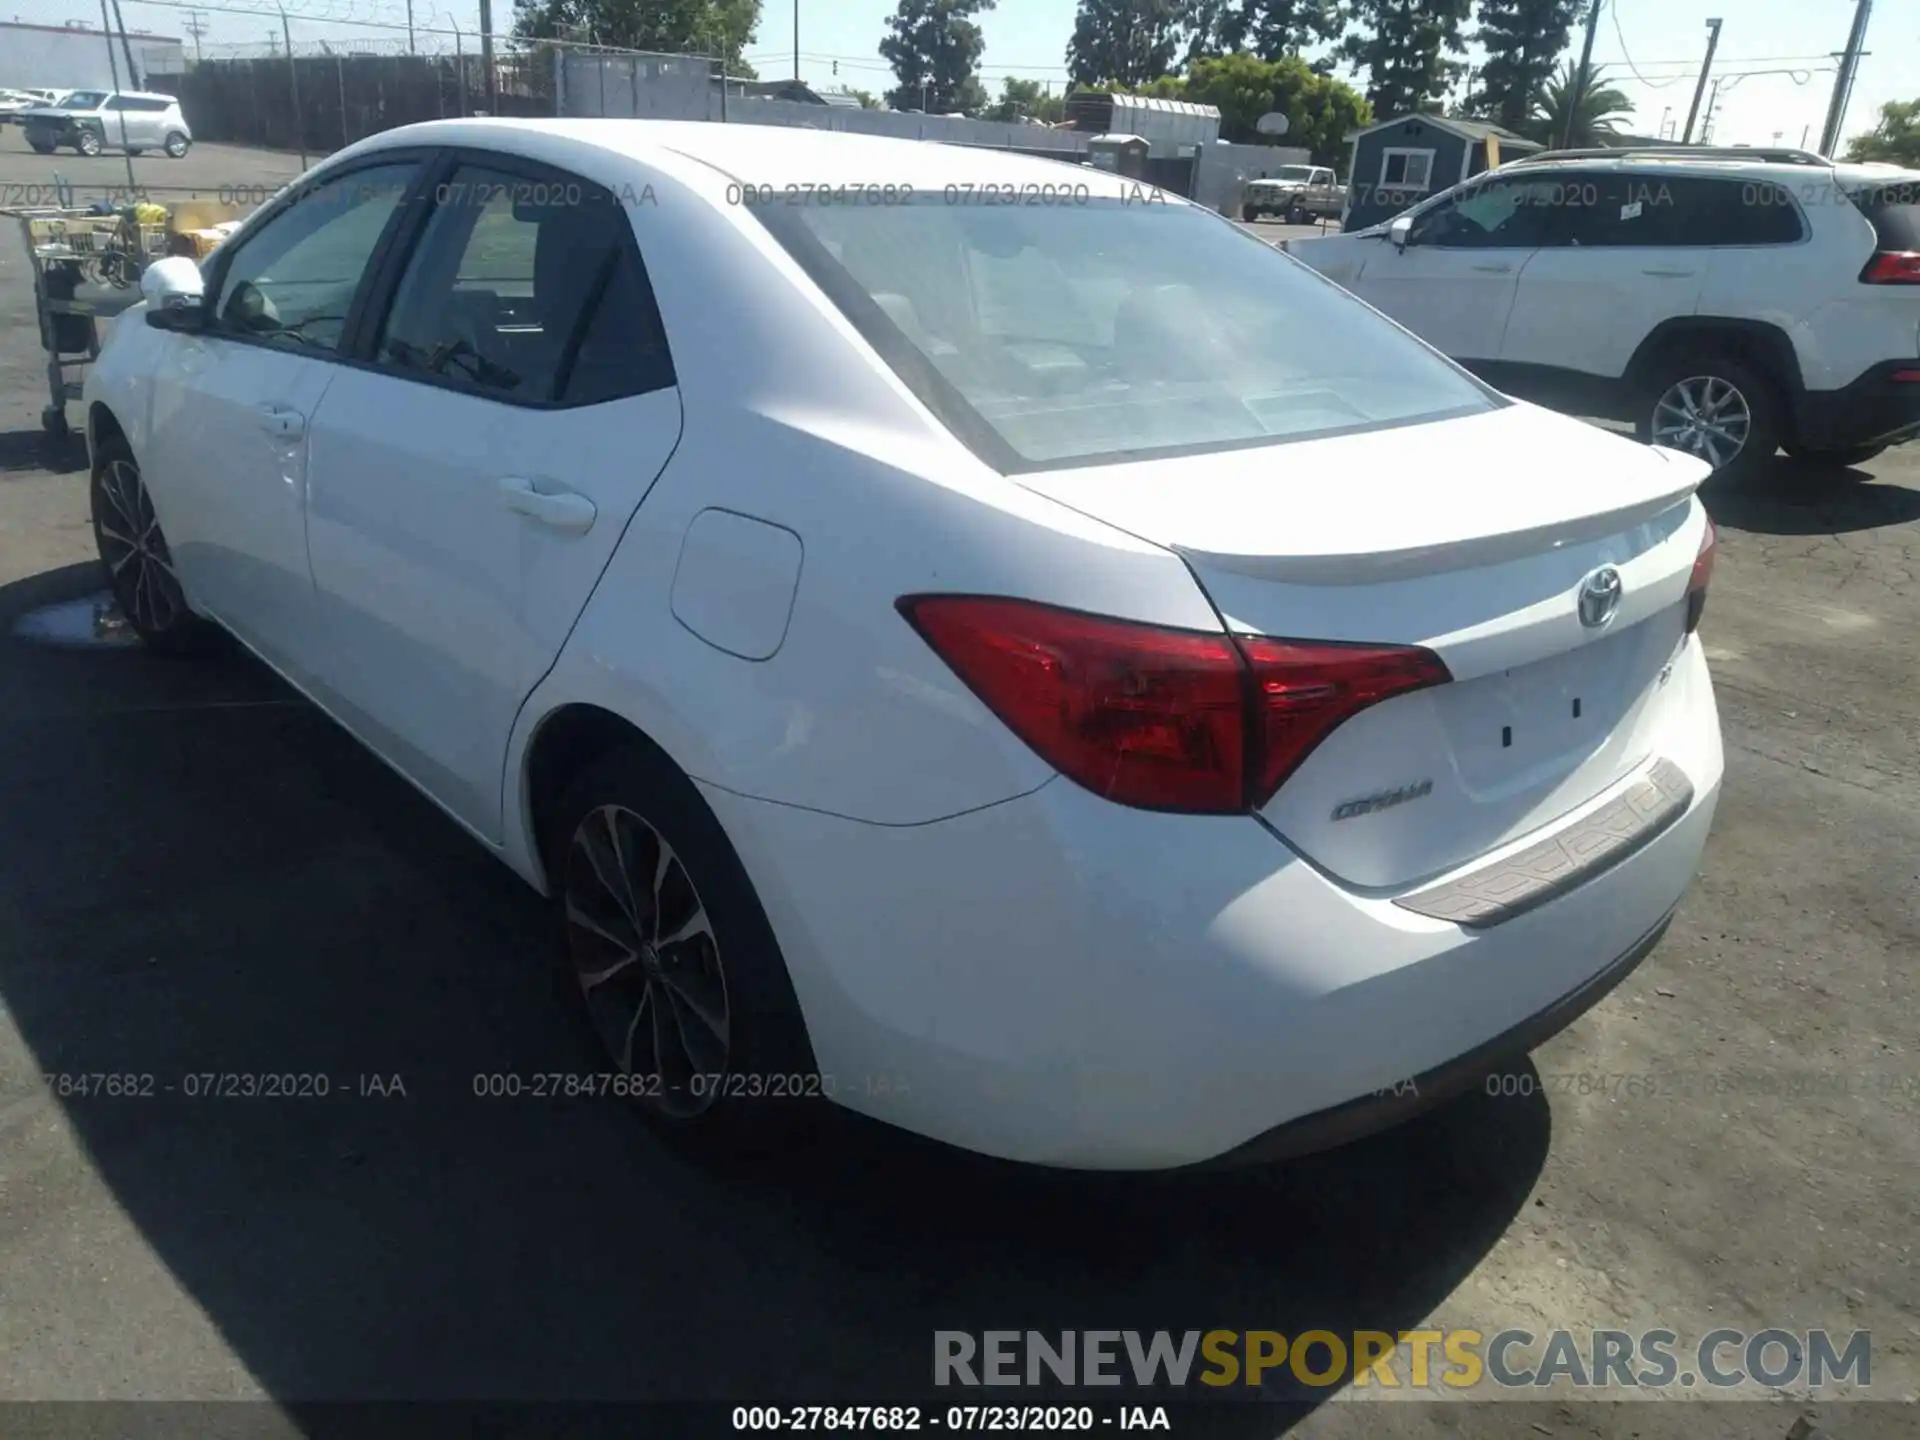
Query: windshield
[
  {"x": 1102, "y": 331},
  {"x": 1294, "y": 172},
  {"x": 83, "y": 100}
]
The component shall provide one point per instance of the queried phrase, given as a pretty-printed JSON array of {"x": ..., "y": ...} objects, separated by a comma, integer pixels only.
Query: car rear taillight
[
  {"x": 1157, "y": 718},
  {"x": 1702, "y": 577},
  {"x": 1893, "y": 267},
  {"x": 1303, "y": 690}
]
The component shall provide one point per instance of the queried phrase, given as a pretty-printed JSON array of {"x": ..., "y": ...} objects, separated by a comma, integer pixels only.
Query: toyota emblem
[{"x": 1599, "y": 597}]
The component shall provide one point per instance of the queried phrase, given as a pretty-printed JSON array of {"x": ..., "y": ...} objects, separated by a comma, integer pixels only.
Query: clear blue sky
[{"x": 1663, "y": 40}]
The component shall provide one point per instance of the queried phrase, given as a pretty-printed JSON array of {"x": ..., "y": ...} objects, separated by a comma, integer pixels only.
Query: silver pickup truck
[{"x": 1295, "y": 193}]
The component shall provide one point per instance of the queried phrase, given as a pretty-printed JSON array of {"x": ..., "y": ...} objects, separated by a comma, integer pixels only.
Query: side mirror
[
  {"x": 1399, "y": 231},
  {"x": 174, "y": 293}
]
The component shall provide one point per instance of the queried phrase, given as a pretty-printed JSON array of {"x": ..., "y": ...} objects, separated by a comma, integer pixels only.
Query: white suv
[
  {"x": 94, "y": 120},
  {"x": 1727, "y": 302}
]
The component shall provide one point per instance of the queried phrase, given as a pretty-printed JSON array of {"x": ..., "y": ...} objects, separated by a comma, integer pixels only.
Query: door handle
[
  {"x": 283, "y": 422},
  {"x": 1494, "y": 269},
  {"x": 1671, "y": 274},
  {"x": 557, "y": 510}
]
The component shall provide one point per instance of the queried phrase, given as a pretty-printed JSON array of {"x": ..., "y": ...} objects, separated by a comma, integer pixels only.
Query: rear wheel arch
[
  {"x": 1764, "y": 346},
  {"x": 568, "y": 741}
]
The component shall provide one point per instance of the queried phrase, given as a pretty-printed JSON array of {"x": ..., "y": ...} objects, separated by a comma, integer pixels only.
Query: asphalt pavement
[{"x": 202, "y": 876}]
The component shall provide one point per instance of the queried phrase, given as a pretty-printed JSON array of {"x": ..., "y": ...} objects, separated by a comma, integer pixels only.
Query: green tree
[
  {"x": 934, "y": 47},
  {"x": 1895, "y": 140},
  {"x": 1273, "y": 28},
  {"x": 1321, "y": 111},
  {"x": 1026, "y": 99},
  {"x": 679, "y": 27},
  {"x": 1402, "y": 49},
  {"x": 1523, "y": 39},
  {"x": 1600, "y": 110},
  {"x": 1127, "y": 42}
]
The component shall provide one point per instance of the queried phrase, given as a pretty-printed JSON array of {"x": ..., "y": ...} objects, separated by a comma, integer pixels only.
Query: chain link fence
[{"x": 317, "y": 95}]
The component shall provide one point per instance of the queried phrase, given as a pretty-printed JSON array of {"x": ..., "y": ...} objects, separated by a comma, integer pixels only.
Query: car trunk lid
[{"x": 1469, "y": 537}]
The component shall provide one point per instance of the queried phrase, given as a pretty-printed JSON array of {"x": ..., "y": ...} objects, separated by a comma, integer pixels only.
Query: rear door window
[
  {"x": 528, "y": 290},
  {"x": 1681, "y": 211}
]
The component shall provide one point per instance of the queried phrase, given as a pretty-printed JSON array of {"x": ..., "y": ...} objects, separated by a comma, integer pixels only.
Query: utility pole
[
  {"x": 1843, "y": 82},
  {"x": 113, "y": 69},
  {"x": 486, "y": 55},
  {"x": 410, "y": 27},
  {"x": 196, "y": 26},
  {"x": 1706, "y": 125},
  {"x": 1713, "y": 44},
  {"x": 293, "y": 79},
  {"x": 134, "y": 78},
  {"x": 1580, "y": 80},
  {"x": 796, "y": 40}
]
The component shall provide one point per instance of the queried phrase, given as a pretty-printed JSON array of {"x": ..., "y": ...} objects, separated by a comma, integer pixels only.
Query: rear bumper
[
  {"x": 1058, "y": 980},
  {"x": 1369, "y": 1114},
  {"x": 1876, "y": 409}
]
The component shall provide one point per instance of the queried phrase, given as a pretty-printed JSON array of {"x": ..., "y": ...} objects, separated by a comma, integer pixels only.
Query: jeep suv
[
  {"x": 94, "y": 120},
  {"x": 1727, "y": 302}
]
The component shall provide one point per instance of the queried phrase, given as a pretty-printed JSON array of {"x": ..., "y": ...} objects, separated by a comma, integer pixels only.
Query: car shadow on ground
[
  {"x": 209, "y": 879},
  {"x": 1805, "y": 498},
  {"x": 35, "y": 450}
]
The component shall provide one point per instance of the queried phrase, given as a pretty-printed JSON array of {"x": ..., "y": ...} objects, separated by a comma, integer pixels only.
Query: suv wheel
[
  {"x": 176, "y": 144},
  {"x": 87, "y": 143},
  {"x": 1844, "y": 458},
  {"x": 1717, "y": 407}
]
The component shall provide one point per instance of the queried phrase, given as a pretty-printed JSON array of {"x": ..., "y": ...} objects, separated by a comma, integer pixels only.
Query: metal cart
[{"x": 74, "y": 251}]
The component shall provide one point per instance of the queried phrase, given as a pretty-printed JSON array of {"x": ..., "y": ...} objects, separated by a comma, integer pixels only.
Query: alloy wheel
[
  {"x": 1703, "y": 415},
  {"x": 646, "y": 960},
  {"x": 136, "y": 552}
]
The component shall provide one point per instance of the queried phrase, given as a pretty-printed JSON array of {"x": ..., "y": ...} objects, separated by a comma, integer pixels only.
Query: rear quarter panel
[{"x": 792, "y": 420}]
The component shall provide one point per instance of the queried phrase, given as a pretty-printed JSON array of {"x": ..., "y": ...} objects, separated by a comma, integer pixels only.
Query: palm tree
[{"x": 1599, "y": 112}]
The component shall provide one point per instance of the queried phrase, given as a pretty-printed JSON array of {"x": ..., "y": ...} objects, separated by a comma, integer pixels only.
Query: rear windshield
[
  {"x": 1106, "y": 330},
  {"x": 1894, "y": 208}
]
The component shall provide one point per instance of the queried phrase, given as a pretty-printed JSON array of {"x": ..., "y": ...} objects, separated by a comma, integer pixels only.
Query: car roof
[{"x": 785, "y": 155}]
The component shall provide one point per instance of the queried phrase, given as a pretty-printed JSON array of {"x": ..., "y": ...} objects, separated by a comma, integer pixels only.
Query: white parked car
[
  {"x": 1730, "y": 303},
  {"x": 91, "y": 121},
  {"x": 894, "y": 627},
  {"x": 15, "y": 103}
]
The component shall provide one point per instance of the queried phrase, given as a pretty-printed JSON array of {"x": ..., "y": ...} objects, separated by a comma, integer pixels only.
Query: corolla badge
[
  {"x": 1385, "y": 800},
  {"x": 1599, "y": 597}
]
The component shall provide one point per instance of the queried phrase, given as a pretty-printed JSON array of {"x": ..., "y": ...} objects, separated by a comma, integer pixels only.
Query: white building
[{"x": 70, "y": 57}]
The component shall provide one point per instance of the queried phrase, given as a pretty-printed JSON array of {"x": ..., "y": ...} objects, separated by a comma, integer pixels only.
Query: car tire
[
  {"x": 139, "y": 565},
  {"x": 41, "y": 147},
  {"x": 1843, "y": 458},
  {"x": 1737, "y": 401},
  {"x": 87, "y": 143},
  {"x": 633, "y": 852},
  {"x": 1249, "y": 213},
  {"x": 177, "y": 145}
]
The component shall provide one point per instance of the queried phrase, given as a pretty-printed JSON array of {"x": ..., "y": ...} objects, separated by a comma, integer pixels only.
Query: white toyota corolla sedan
[{"x": 960, "y": 635}]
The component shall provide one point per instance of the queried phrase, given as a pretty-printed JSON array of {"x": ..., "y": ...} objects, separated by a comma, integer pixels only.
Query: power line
[{"x": 1621, "y": 35}]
